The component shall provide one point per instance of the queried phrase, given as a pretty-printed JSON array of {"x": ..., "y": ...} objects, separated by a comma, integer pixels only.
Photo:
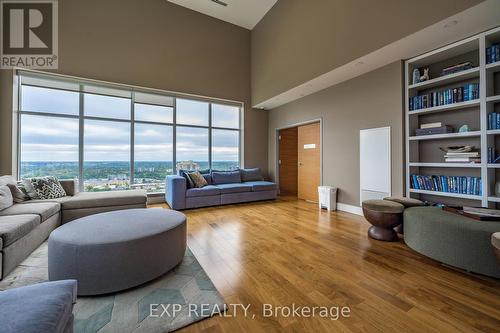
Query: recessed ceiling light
[
  {"x": 450, "y": 24},
  {"x": 219, "y": 2}
]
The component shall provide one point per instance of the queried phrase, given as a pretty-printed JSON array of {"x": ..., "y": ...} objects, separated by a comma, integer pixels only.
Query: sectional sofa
[
  {"x": 224, "y": 187},
  {"x": 26, "y": 225}
]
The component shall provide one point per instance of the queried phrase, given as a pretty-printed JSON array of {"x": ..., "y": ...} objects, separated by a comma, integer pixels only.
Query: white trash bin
[{"x": 327, "y": 197}]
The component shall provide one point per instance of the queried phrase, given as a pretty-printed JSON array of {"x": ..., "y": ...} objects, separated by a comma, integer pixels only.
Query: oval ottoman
[
  {"x": 452, "y": 239},
  {"x": 117, "y": 250}
]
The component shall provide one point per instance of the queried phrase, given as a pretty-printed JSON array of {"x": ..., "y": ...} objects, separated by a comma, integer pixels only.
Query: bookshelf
[{"x": 423, "y": 154}]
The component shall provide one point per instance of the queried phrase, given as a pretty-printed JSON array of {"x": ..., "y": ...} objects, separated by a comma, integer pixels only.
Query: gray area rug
[{"x": 129, "y": 311}]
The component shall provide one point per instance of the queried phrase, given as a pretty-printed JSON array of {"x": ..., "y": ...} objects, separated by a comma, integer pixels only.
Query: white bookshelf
[{"x": 423, "y": 151}]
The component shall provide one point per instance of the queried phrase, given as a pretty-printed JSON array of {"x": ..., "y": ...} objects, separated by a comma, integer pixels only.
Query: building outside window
[{"x": 115, "y": 137}]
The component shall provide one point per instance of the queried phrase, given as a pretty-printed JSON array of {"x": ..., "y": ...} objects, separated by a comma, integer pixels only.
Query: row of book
[
  {"x": 492, "y": 155},
  {"x": 494, "y": 120},
  {"x": 448, "y": 184},
  {"x": 493, "y": 53},
  {"x": 467, "y": 92}
]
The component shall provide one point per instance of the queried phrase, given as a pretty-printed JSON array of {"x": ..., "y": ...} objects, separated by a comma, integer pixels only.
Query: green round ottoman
[
  {"x": 384, "y": 215},
  {"x": 452, "y": 239}
]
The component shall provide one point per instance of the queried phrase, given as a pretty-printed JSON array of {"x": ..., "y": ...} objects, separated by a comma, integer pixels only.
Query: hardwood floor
[{"x": 287, "y": 252}]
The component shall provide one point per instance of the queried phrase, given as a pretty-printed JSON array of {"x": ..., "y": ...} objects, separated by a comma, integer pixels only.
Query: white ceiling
[
  {"x": 245, "y": 13},
  {"x": 476, "y": 19}
]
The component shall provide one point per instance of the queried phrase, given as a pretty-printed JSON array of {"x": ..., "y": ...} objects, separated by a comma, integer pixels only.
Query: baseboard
[{"x": 350, "y": 209}]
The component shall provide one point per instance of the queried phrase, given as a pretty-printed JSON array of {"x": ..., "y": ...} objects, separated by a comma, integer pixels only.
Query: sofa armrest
[
  {"x": 175, "y": 191},
  {"x": 69, "y": 186}
]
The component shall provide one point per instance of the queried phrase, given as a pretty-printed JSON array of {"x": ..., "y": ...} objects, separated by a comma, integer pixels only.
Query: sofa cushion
[
  {"x": 250, "y": 175},
  {"x": 261, "y": 185},
  {"x": 6, "y": 199},
  {"x": 226, "y": 177},
  {"x": 42, "y": 307},
  {"x": 203, "y": 191},
  {"x": 44, "y": 209},
  {"x": 14, "y": 227},
  {"x": 105, "y": 199},
  {"x": 234, "y": 188}
]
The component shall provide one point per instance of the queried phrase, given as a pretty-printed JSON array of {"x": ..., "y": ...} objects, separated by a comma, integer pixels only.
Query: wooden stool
[
  {"x": 384, "y": 215},
  {"x": 407, "y": 202}
]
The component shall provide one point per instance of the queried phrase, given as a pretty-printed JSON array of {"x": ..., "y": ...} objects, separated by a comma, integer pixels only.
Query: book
[
  {"x": 449, "y": 184},
  {"x": 435, "y": 130},
  {"x": 431, "y": 125}
]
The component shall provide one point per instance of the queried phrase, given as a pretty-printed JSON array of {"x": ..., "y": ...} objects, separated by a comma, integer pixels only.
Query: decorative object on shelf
[
  {"x": 434, "y": 130},
  {"x": 416, "y": 76},
  {"x": 464, "y": 128},
  {"x": 457, "y": 149},
  {"x": 456, "y": 68},
  {"x": 425, "y": 77},
  {"x": 497, "y": 189}
]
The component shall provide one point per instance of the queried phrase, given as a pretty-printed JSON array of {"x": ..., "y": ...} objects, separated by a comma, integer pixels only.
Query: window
[
  {"x": 191, "y": 112},
  {"x": 106, "y": 155},
  {"x": 106, "y": 106},
  {"x": 153, "y": 150},
  {"x": 225, "y": 149},
  {"x": 192, "y": 148},
  {"x": 111, "y": 137},
  {"x": 38, "y": 99},
  {"x": 49, "y": 146},
  {"x": 226, "y": 116}
]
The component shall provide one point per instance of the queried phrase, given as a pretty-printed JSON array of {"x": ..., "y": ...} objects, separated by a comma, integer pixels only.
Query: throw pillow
[
  {"x": 252, "y": 174},
  {"x": 19, "y": 193},
  {"x": 6, "y": 199},
  {"x": 44, "y": 188},
  {"x": 198, "y": 179},
  {"x": 189, "y": 182},
  {"x": 17, "y": 190}
]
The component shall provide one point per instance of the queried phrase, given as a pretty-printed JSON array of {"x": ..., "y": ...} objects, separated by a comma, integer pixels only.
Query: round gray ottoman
[{"x": 117, "y": 250}]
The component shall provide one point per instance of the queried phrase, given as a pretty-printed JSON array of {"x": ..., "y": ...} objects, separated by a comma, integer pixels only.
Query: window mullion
[
  {"x": 210, "y": 136},
  {"x": 174, "y": 139},
  {"x": 132, "y": 138},
  {"x": 81, "y": 129}
]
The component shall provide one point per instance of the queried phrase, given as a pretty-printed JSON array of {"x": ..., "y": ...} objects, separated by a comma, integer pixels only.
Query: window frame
[{"x": 82, "y": 83}]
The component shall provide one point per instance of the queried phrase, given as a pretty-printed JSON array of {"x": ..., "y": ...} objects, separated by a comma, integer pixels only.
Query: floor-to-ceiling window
[{"x": 114, "y": 137}]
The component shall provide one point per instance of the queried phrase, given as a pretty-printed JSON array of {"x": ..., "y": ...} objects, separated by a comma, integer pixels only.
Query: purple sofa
[{"x": 224, "y": 187}]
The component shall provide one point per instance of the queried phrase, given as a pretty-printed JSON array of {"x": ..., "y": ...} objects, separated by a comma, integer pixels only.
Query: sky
[{"x": 56, "y": 138}]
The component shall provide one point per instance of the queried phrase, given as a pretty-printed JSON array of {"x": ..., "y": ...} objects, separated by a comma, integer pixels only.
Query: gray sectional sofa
[
  {"x": 26, "y": 225},
  {"x": 224, "y": 187}
]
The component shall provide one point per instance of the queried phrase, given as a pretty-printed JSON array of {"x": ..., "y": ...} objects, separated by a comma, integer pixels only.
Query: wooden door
[
  {"x": 288, "y": 161},
  {"x": 309, "y": 160}
]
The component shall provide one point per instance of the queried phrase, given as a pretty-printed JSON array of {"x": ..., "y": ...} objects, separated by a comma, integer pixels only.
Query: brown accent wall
[
  {"x": 299, "y": 40},
  {"x": 153, "y": 44},
  {"x": 372, "y": 100}
]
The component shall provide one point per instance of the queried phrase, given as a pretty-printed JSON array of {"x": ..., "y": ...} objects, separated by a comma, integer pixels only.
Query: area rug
[{"x": 148, "y": 308}]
